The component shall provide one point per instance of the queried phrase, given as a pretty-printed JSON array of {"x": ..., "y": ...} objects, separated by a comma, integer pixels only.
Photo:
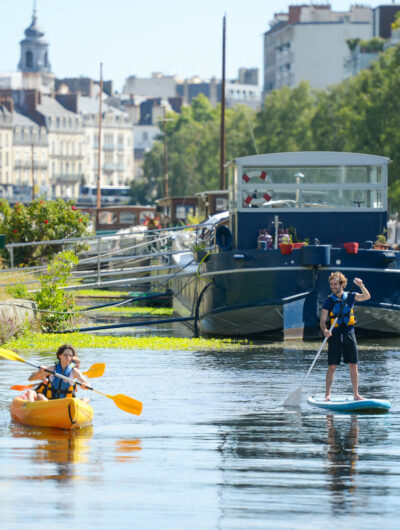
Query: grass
[
  {"x": 132, "y": 311},
  {"x": 96, "y": 293},
  {"x": 38, "y": 342},
  {"x": 18, "y": 278}
]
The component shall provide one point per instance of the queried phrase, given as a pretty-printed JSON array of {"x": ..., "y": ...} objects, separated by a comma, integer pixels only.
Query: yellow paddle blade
[
  {"x": 96, "y": 370},
  {"x": 127, "y": 404},
  {"x": 11, "y": 355}
]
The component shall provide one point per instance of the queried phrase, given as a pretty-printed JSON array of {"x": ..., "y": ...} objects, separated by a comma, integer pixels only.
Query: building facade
[
  {"x": 5, "y": 147},
  {"x": 116, "y": 146},
  {"x": 309, "y": 44},
  {"x": 49, "y": 141}
]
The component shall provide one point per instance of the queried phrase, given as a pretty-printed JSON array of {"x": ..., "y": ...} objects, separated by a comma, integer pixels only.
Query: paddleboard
[{"x": 347, "y": 404}]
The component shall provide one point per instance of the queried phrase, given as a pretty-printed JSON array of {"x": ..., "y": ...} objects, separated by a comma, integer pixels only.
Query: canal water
[{"x": 213, "y": 448}]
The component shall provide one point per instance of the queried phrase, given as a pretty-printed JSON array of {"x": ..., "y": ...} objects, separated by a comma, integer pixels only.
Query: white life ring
[
  {"x": 254, "y": 173},
  {"x": 258, "y": 200}
]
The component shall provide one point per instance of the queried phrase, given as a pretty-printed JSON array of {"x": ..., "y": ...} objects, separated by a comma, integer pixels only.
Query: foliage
[
  {"x": 41, "y": 220},
  {"x": 372, "y": 45},
  {"x": 18, "y": 291},
  {"x": 11, "y": 330},
  {"x": 284, "y": 123},
  {"x": 56, "y": 303},
  {"x": 137, "y": 311},
  {"x": 8, "y": 328},
  {"x": 198, "y": 247},
  {"x": 396, "y": 22},
  {"x": 380, "y": 239},
  {"x": 140, "y": 192},
  {"x": 352, "y": 43},
  {"x": 36, "y": 342},
  {"x": 100, "y": 293},
  {"x": 193, "y": 139}
]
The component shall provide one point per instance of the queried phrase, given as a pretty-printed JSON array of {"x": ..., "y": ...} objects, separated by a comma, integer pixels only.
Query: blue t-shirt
[{"x": 328, "y": 304}]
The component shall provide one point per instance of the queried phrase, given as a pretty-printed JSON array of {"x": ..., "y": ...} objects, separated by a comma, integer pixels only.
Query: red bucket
[
  {"x": 286, "y": 248},
  {"x": 351, "y": 248}
]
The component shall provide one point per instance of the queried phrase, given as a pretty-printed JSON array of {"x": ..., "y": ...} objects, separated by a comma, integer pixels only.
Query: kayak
[
  {"x": 67, "y": 413},
  {"x": 347, "y": 404}
]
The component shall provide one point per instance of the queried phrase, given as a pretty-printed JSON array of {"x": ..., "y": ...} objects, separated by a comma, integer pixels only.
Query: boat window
[
  {"x": 313, "y": 175},
  {"x": 107, "y": 218},
  {"x": 299, "y": 198},
  {"x": 127, "y": 217}
]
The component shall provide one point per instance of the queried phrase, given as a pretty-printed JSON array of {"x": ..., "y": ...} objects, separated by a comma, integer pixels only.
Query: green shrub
[
  {"x": 18, "y": 291},
  {"x": 56, "y": 303},
  {"x": 40, "y": 221}
]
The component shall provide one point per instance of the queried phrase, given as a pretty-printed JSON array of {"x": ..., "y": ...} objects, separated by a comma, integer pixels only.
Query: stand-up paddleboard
[{"x": 347, "y": 404}]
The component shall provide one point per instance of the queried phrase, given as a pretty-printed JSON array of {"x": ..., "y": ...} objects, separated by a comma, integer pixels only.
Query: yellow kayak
[{"x": 67, "y": 413}]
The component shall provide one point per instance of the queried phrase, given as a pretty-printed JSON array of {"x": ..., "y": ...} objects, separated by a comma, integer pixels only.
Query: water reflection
[
  {"x": 59, "y": 447},
  {"x": 127, "y": 450},
  {"x": 342, "y": 455}
]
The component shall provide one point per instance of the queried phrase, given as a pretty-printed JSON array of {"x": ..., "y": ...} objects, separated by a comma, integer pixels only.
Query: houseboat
[{"x": 294, "y": 218}]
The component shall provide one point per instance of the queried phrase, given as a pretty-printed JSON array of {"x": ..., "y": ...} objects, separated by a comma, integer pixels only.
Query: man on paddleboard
[{"x": 341, "y": 340}]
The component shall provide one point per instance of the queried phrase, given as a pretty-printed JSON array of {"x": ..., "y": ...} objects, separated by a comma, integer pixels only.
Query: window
[
  {"x": 340, "y": 187},
  {"x": 29, "y": 59},
  {"x": 127, "y": 218}
]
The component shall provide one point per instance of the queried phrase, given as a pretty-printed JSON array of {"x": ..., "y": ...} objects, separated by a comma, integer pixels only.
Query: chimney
[
  {"x": 69, "y": 101},
  {"x": 31, "y": 99},
  {"x": 6, "y": 100}
]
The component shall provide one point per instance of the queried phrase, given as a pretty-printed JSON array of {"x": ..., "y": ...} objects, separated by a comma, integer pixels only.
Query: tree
[
  {"x": 284, "y": 123},
  {"x": 193, "y": 147}
]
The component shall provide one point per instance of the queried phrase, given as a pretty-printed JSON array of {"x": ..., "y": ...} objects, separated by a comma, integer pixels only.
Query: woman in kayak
[{"x": 54, "y": 387}]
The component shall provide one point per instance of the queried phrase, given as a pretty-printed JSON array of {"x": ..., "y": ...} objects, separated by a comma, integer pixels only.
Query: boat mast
[
  {"x": 222, "y": 140},
  {"x": 98, "y": 201}
]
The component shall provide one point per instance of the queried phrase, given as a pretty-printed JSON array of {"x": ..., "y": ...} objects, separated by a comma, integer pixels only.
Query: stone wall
[{"x": 17, "y": 310}]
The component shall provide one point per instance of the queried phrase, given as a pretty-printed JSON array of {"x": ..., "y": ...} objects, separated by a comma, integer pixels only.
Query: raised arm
[{"x": 364, "y": 295}]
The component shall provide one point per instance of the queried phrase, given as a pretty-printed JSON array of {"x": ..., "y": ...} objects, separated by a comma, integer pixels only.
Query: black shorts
[{"x": 342, "y": 344}]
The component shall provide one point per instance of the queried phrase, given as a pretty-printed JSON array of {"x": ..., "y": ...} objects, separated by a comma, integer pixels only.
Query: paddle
[
  {"x": 294, "y": 399},
  {"x": 123, "y": 402},
  {"x": 96, "y": 370}
]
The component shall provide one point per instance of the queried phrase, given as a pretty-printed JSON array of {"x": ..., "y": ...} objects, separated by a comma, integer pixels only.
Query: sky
[{"x": 138, "y": 37}]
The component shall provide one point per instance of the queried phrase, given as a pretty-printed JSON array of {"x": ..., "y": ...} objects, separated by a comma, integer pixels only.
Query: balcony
[
  {"x": 67, "y": 157},
  {"x": 68, "y": 177},
  {"x": 109, "y": 168},
  {"x": 27, "y": 164},
  {"x": 29, "y": 143}
]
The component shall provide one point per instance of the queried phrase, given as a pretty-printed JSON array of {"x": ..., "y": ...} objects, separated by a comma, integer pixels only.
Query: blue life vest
[
  {"x": 57, "y": 388},
  {"x": 346, "y": 316}
]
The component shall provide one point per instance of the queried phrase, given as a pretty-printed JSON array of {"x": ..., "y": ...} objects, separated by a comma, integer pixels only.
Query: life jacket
[
  {"x": 345, "y": 316},
  {"x": 57, "y": 388},
  {"x": 41, "y": 388}
]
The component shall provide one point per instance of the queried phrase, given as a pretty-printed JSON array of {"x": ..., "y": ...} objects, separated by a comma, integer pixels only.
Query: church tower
[{"x": 34, "y": 61}]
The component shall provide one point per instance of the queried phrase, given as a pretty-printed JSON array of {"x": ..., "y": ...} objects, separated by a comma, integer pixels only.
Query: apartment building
[
  {"x": 5, "y": 147},
  {"x": 116, "y": 154},
  {"x": 309, "y": 43}
]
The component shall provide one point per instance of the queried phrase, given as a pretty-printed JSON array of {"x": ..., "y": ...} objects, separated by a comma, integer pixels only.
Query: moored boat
[
  {"x": 68, "y": 413},
  {"x": 294, "y": 218}
]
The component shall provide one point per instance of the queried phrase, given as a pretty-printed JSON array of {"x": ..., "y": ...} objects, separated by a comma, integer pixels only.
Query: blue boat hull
[{"x": 255, "y": 292}]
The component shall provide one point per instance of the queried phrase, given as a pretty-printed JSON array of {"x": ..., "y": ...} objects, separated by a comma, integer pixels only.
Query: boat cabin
[{"x": 326, "y": 196}]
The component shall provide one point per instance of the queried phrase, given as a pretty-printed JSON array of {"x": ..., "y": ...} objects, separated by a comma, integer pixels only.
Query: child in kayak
[{"x": 53, "y": 387}]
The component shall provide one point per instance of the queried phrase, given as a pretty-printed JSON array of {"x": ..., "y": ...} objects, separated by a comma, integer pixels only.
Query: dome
[{"x": 33, "y": 31}]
